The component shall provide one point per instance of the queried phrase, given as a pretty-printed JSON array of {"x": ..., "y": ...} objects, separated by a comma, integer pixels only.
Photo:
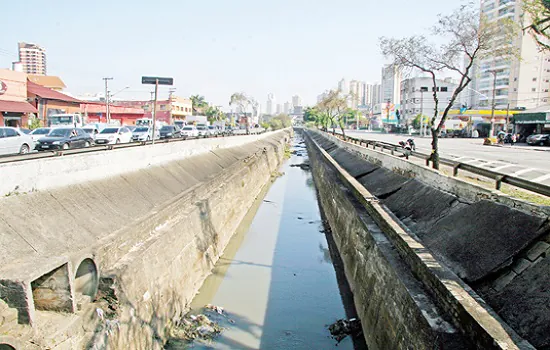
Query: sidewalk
[{"x": 524, "y": 146}]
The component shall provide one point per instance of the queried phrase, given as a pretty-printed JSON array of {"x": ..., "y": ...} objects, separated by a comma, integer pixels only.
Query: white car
[
  {"x": 213, "y": 130},
  {"x": 144, "y": 133},
  {"x": 92, "y": 131},
  {"x": 189, "y": 131},
  {"x": 14, "y": 141},
  {"x": 114, "y": 134},
  {"x": 37, "y": 134}
]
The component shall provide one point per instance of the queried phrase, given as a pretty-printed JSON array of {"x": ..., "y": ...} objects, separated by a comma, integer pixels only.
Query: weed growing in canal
[{"x": 287, "y": 151}]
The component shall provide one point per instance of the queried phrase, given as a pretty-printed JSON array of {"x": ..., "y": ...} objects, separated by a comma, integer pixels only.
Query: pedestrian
[{"x": 514, "y": 139}]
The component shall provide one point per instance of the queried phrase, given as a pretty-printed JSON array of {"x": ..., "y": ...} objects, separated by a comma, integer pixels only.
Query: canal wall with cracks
[
  {"x": 111, "y": 262},
  {"x": 407, "y": 292}
]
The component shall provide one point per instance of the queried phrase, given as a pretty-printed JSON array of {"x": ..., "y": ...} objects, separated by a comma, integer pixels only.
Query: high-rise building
[
  {"x": 33, "y": 58},
  {"x": 279, "y": 109},
  {"x": 296, "y": 101},
  {"x": 367, "y": 95},
  {"x": 391, "y": 84},
  {"x": 353, "y": 100},
  {"x": 376, "y": 98},
  {"x": 270, "y": 104},
  {"x": 521, "y": 82},
  {"x": 286, "y": 108},
  {"x": 343, "y": 86},
  {"x": 322, "y": 96}
]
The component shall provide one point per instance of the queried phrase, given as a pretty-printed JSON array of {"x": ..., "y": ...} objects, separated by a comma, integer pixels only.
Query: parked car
[
  {"x": 539, "y": 139},
  {"x": 92, "y": 131},
  {"x": 169, "y": 132},
  {"x": 14, "y": 141},
  {"x": 213, "y": 130},
  {"x": 203, "y": 130},
  {"x": 64, "y": 138},
  {"x": 36, "y": 134},
  {"x": 25, "y": 131},
  {"x": 144, "y": 133},
  {"x": 113, "y": 135},
  {"x": 131, "y": 127},
  {"x": 189, "y": 131}
]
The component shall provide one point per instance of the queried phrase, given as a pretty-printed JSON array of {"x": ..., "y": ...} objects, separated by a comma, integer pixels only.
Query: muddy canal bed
[{"x": 276, "y": 281}]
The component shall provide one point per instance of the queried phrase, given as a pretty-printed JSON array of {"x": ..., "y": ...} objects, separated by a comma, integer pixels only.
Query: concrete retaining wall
[
  {"x": 48, "y": 173},
  {"x": 497, "y": 244},
  {"x": 403, "y": 294},
  {"x": 154, "y": 234}
]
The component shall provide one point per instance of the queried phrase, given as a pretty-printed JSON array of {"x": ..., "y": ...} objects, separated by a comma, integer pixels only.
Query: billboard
[{"x": 389, "y": 113}]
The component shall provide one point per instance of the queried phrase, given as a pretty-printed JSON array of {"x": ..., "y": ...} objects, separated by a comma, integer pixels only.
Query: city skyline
[{"x": 215, "y": 60}]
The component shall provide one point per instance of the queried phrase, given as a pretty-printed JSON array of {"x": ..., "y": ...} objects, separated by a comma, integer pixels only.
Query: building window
[
  {"x": 162, "y": 107},
  {"x": 533, "y": 89},
  {"x": 545, "y": 90},
  {"x": 515, "y": 79},
  {"x": 444, "y": 89},
  {"x": 534, "y": 79}
]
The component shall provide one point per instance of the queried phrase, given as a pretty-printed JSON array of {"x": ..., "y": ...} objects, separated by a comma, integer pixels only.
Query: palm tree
[{"x": 199, "y": 104}]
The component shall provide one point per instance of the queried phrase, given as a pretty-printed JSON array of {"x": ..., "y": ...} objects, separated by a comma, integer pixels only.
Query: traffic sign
[{"x": 161, "y": 80}]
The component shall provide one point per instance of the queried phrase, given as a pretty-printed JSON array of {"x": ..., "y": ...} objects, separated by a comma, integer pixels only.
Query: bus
[{"x": 65, "y": 120}]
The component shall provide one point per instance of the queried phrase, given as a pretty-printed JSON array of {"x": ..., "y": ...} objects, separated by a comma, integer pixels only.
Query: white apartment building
[
  {"x": 33, "y": 58},
  {"x": 367, "y": 94},
  {"x": 279, "y": 109},
  {"x": 270, "y": 104},
  {"x": 519, "y": 83},
  {"x": 417, "y": 97},
  {"x": 296, "y": 101},
  {"x": 343, "y": 86},
  {"x": 287, "y": 107},
  {"x": 376, "y": 98},
  {"x": 391, "y": 84}
]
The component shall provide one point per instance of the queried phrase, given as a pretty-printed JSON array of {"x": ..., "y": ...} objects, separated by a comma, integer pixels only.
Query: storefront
[
  {"x": 96, "y": 113},
  {"x": 49, "y": 102},
  {"x": 536, "y": 121},
  {"x": 14, "y": 108}
]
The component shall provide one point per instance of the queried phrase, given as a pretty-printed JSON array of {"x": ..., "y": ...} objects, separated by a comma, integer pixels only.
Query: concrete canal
[{"x": 276, "y": 282}]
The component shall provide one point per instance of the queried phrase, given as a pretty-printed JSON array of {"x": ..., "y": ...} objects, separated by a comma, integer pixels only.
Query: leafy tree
[
  {"x": 280, "y": 121},
  {"x": 333, "y": 107},
  {"x": 539, "y": 12},
  {"x": 214, "y": 114},
  {"x": 199, "y": 104},
  {"x": 35, "y": 123},
  {"x": 467, "y": 36}
]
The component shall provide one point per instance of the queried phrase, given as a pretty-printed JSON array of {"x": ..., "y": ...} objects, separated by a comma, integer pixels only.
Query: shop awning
[
  {"x": 17, "y": 107},
  {"x": 46, "y": 93},
  {"x": 531, "y": 118}
]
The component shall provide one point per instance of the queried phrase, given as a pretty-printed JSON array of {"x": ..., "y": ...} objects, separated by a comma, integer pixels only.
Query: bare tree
[
  {"x": 243, "y": 101},
  {"x": 334, "y": 107},
  {"x": 468, "y": 36},
  {"x": 539, "y": 15}
]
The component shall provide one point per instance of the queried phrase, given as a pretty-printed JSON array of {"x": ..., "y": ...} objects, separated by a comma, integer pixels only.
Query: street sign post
[{"x": 157, "y": 81}]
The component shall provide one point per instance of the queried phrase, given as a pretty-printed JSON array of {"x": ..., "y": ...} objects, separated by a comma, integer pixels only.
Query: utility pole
[
  {"x": 170, "y": 93},
  {"x": 422, "y": 113},
  {"x": 107, "y": 112},
  {"x": 493, "y": 103},
  {"x": 507, "y": 116},
  {"x": 155, "y": 110}
]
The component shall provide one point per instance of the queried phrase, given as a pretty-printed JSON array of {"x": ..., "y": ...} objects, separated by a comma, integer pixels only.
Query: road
[{"x": 528, "y": 162}]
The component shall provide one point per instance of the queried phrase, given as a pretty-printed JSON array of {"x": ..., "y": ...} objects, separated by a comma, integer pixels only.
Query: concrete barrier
[
  {"x": 153, "y": 235},
  {"x": 47, "y": 173},
  {"x": 405, "y": 295}
]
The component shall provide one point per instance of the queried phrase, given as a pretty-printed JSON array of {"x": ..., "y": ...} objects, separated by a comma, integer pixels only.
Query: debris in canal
[
  {"x": 303, "y": 166},
  {"x": 342, "y": 328},
  {"x": 215, "y": 308},
  {"x": 194, "y": 327}
]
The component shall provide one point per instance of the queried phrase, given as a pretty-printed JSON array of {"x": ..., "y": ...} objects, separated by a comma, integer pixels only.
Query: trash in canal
[
  {"x": 218, "y": 309},
  {"x": 342, "y": 328},
  {"x": 195, "y": 327},
  {"x": 303, "y": 166}
]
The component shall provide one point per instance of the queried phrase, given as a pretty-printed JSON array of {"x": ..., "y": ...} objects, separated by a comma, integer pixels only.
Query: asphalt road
[{"x": 528, "y": 162}]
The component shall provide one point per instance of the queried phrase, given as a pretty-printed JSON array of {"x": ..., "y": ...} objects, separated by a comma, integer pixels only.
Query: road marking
[
  {"x": 491, "y": 162},
  {"x": 503, "y": 167},
  {"x": 460, "y": 158},
  {"x": 541, "y": 178},
  {"x": 523, "y": 171},
  {"x": 472, "y": 161}
]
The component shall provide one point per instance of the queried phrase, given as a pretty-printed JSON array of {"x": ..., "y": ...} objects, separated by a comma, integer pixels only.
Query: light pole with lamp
[
  {"x": 493, "y": 103},
  {"x": 108, "y": 97}
]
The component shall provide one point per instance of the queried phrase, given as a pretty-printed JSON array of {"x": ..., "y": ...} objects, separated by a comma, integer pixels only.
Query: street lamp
[{"x": 422, "y": 90}]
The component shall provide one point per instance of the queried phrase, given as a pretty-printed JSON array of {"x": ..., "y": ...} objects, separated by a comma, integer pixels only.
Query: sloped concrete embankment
[
  {"x": 404, "y": 291},
  {"x": 499, "y": 245},
  {"x": 111, "y": 262}
]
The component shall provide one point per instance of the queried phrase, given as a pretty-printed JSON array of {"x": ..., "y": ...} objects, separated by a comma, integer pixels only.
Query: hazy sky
[{"x": 213, "y": 47}]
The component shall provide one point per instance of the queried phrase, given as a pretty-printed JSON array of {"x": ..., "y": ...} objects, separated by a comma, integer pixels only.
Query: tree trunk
[
  {"x": 435, "y": 150},
  {"x": 247, "y": 125},
  {"x": 343, "y": 132}
]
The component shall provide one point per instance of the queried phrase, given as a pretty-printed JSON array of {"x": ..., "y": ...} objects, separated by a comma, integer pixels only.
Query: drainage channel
[{"x": 276, "y": 286}]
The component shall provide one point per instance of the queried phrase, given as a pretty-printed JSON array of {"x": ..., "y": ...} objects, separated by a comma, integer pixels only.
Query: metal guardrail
[
  {"x": 496, "y": 176},
  {"x": 100, "y": 148}
]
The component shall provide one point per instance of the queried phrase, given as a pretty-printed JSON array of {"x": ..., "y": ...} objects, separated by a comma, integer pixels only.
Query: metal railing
[
  {"x": 496, "y": 176},
  {"x": 99, "y": 148}
]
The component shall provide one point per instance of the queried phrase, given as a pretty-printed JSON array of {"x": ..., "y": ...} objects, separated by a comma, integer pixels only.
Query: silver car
[{"x": 13, "y": 141}]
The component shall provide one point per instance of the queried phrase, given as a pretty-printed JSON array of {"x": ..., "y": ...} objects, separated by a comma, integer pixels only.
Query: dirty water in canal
[{"x": 276, "y": 282}]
